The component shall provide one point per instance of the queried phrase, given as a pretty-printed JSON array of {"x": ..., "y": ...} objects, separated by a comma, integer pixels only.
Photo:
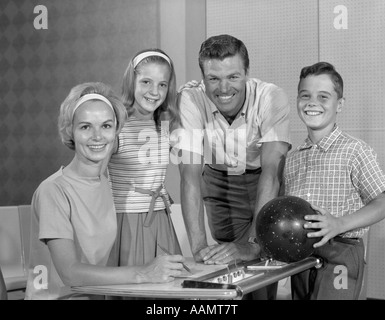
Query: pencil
[{"x": 169, "y": 253}]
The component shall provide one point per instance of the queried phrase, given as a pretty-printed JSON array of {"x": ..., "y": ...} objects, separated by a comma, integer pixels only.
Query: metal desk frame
[{"x": 182, "y": 288}]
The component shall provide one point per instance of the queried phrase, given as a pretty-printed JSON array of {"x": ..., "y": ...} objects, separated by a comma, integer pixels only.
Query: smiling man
[{"x": 235, "y": 165}]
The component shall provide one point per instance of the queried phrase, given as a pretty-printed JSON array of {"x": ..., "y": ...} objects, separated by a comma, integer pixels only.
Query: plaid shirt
[{"x": 340, "y": 173}]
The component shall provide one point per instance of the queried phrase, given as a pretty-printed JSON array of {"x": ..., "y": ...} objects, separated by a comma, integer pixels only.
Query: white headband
[
  {"x": 93, "y": 96},
  {"x": 147, "y": 54}
]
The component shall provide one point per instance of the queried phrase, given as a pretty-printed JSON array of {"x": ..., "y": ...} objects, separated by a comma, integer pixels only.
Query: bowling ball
[{"x": 280, "y": 231}]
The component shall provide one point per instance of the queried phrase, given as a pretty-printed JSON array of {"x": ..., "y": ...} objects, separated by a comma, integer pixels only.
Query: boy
[{"x": 340, "y": 176}]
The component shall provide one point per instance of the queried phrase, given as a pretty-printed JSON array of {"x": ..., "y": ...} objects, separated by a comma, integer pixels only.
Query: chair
[
  {"x": 3, "y": 288},
  {"x": 364, "y": 288},
  {"x": 25, "y": 229},
  {"x": 14, "y": 246}
]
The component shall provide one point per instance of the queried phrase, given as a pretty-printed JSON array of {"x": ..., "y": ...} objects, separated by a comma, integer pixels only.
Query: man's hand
[
  {"x": 228, "y": 252},
  {"x": 188, "y": 85},
  {"x": 199, "y": 255}
]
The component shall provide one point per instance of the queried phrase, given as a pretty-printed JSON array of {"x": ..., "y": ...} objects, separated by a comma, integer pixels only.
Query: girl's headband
[
  {"x": 147, "y": 54},
  {"x": 93, "y": 96}
]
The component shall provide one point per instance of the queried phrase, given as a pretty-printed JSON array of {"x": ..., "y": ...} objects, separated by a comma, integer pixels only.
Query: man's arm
[
  {"x": 330, "y": 226},
  {"x": 192, "y": 203},
  {"x": 273, "y": 155},
  {"x": 190, "y": 167}
]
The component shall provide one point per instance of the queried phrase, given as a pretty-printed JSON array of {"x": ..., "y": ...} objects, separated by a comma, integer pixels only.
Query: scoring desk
[{"x": 210, "y": 281}]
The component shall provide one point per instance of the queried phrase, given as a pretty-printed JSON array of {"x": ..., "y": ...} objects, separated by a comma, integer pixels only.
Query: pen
[{"x": 169, "y": 253}]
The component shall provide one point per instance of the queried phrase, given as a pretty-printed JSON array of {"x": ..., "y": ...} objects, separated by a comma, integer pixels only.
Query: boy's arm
[
  {"x": 331, "y": 226},
  {"x": 368, "y": 215}
]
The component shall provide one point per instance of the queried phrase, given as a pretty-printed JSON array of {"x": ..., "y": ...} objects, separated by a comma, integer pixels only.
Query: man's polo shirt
[{"x": 233, "y": 147}]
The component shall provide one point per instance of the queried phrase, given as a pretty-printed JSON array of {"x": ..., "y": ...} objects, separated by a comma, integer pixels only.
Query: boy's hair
[
  {"x": 221, "y": 47},
  {"x": 324, "y": 68}
]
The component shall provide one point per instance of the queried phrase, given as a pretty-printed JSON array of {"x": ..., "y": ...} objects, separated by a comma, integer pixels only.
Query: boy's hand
[{"x": 327, "y": 224}]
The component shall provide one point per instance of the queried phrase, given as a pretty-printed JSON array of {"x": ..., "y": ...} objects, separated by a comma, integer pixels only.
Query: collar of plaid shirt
[{"x": 325, "y": 142}]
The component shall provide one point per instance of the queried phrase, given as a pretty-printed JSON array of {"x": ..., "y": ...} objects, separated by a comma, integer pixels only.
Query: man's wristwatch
[{"x": 252, "y": 240}]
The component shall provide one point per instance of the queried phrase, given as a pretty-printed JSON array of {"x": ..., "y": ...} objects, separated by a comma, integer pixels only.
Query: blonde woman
[{"x": 73, "y": 213}]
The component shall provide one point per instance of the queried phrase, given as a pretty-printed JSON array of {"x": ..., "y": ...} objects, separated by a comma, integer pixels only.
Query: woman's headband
[
  {"x": 93, "y": 96},
  {"x": 147, "y": 54}
]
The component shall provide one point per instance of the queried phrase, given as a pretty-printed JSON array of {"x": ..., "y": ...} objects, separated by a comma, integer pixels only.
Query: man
[{"x": 238, "y": 127}]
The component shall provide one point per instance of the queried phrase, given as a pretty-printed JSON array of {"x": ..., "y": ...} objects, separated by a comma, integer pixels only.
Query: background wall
[
  {"x": 284, "y": 36},
  {"x": 358, "y": 52},
  {"x": 86, "y": 40},
  {"x": 183, "y": 29},
  {"x": 281, "y": 37},
  {"x": 92, "y": 40}
]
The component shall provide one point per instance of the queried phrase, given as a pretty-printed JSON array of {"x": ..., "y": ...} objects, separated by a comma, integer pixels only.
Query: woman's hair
[
  {"x": 168, "y": 110},
  {"x": 65, "y": 120}
]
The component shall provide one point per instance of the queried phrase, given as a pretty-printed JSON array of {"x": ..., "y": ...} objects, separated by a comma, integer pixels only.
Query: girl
[{"x": 138, "y": 167}]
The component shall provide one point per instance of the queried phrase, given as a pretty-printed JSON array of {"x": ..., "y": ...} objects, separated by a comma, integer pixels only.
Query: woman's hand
[{"x": 161, "y": 269}]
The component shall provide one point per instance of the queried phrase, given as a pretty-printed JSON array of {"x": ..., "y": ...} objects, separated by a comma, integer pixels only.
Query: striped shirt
[
  {"x": 340, "y": 173},
  {"x": 140, "y": 161},
  {"x": 234, "y": 147}
]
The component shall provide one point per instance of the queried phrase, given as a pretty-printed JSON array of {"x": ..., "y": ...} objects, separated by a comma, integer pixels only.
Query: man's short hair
[{"x": 221, "y": 47}]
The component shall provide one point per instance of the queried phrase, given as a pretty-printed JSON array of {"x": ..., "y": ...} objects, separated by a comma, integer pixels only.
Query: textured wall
[
  {"x": 86, "y": 40},
  {"x": 357, "y": 49},
  {"x": 284, "y": 36},
  {"x": 281, "y": 37}
]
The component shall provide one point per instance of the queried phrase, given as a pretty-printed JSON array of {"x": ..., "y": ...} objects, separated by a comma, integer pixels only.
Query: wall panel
[
  {"x": 284, "y": 36},
  {"x": 356, "y": 46},
  {"x": 86, "y": 40},
  {"x": 281, "y": 37}
]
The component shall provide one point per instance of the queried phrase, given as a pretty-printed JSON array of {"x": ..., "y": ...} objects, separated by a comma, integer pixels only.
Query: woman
[{"x": 73, "y": 213}]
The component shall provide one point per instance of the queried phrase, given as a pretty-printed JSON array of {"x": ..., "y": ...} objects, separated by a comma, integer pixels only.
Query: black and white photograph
[{"x": 186, "y": 157}]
